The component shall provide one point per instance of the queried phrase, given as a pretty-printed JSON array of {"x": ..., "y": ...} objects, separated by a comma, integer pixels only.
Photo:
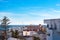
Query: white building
[
  {"x": 29, "y": 33},
  {"x": 53, "y": 29}
]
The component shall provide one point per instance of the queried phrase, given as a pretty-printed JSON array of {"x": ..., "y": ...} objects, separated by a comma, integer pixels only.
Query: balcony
[{"x": 52, "y": 27}]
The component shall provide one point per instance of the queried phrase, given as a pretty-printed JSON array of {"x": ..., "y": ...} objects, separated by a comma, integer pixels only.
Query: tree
[
  {"x": 16, "y": 34},
  {"x": 4, "y": 23},
  {"x": 12, "y": 33},
  {"x": 36, "y": 38}
]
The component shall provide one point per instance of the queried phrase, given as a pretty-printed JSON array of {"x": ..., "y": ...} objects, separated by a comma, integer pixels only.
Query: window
[
  {"x": 55, "y": 26},
  {"x": 47, "y": 25}
]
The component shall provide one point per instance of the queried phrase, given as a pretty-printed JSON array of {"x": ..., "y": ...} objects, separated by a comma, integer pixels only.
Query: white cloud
[
  {"x": 57, "y": 4},
  {"x": 20, "y": 18},
  {"x": 41, "y": 14},
  {"x": 55, "y": 10},
  {"x": 36, "y": 22},
  {"x": 36, "y": 17},
  {"x": 15, "y": 18},
  {"x": 55, "y": 13},
  {"x": 51, "y": 14},
  {"x": 11, "y": 14}
]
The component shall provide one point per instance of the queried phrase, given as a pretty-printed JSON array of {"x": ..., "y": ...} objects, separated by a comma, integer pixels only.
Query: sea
[
  {"x": 10, "y": 26},
  {"x": 14, "y": 26}
]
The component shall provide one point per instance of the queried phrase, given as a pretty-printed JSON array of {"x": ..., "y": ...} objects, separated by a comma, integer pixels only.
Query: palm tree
[
  {"x": 15, "y": 33},
  {"x": 4, "y": 23}
]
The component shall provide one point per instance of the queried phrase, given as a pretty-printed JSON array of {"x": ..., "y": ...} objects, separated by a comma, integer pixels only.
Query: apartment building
[{"x": 53, "y": 29}]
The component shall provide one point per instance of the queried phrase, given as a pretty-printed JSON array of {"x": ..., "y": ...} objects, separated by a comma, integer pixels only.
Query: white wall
[
  {"x": 50, "y": 31},
  {"x": 51, "y": 34},
  {"x": 28, "y": 33},
  {"x": 53, "y": 22}
]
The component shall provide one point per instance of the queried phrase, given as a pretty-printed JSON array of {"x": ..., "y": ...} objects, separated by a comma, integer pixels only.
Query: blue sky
[{"x": 29, "y": 11}]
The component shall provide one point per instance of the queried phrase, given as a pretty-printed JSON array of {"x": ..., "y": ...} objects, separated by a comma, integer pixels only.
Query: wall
[
  {"x": 28, "y": 33},
  {"x": 55, "y": 33},
  {"x": 49, "y": 37},
  {"x": 29, "y": 38}
]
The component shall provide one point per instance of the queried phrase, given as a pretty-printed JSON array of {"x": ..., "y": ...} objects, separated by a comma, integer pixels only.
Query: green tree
[
  {"x": 4, "y": 23},
  {"x": 12, "y": 33},
  {"x": 36, "y": 38},
  {"x": 16, "y": 34}
]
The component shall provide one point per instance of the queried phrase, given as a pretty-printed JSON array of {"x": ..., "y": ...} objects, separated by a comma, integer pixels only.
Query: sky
[{"x": 25, "y": 12}]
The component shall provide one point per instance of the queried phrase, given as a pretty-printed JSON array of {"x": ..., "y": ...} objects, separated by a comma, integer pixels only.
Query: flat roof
[{"x": 52, "y": 19}]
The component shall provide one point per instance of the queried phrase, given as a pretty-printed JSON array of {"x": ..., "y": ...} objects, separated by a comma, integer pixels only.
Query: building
[
  {"x": 31, "y": 29},
  {"x": 34, "y": 30},
  {"x": 53, "y": 29},
  {"x": 28, "y": 31}
]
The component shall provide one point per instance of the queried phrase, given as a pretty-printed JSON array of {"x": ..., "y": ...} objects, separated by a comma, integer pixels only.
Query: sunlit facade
[{"x": 53, "y": 29}]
